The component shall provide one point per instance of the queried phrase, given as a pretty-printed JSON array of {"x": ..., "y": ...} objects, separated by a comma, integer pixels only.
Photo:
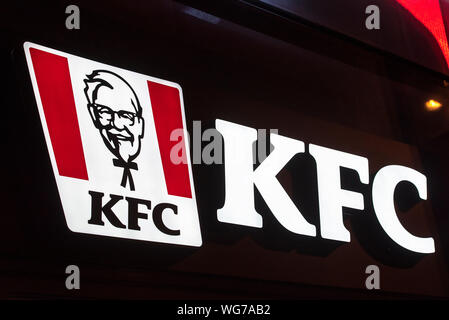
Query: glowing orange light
[{"x": 433, "y": 105}]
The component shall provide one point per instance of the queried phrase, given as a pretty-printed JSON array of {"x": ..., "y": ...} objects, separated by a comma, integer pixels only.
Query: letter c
[
  {"x": 384, "y": 185},
  {"x": 159, "y": 223}
]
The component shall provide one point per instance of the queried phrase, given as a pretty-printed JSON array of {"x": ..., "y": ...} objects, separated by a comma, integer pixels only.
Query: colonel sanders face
[{"x": 116, "y": 113}]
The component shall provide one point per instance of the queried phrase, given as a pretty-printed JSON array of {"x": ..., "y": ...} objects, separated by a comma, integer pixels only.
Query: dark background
[{"x": 242, "y": 63}]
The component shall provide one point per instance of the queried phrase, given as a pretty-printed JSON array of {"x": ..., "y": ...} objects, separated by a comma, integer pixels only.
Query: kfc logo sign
[{"x": 108, "y": 136}]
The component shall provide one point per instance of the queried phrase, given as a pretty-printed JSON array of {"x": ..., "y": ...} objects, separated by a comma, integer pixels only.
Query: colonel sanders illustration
[{"x": 117, "y": 114}]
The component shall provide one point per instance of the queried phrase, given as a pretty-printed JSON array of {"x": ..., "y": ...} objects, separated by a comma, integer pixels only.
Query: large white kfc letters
[{"x": 240, "y": 179}]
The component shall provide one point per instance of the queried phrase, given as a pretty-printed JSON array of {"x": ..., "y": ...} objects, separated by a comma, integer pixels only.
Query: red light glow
[{"x": 428, "y": 12}]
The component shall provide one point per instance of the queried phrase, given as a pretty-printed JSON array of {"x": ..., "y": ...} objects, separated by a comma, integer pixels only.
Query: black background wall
[{"x": 241, "y": 63}]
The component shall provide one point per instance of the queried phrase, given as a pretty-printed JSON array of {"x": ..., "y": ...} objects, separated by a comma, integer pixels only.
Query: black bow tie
[{"x": 127, "y": 166}]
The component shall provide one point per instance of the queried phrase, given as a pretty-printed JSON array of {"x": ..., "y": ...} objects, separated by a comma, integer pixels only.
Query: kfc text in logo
[{"x": 108, "y": 135}]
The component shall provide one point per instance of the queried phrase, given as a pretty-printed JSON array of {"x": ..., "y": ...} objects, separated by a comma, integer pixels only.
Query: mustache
[{"x": 124, "y": 135}]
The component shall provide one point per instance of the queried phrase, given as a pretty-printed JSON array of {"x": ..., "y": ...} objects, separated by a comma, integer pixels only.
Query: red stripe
[
  {"x": 166, "y": 104},
  {"x": 55, "y": 89}
]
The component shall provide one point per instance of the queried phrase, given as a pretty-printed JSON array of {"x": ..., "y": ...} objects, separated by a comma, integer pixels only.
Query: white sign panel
[{"x": 108, "y": 135}]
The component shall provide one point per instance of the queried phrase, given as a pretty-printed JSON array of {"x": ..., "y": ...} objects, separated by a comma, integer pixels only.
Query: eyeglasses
[{"x": 105, "y": 115}]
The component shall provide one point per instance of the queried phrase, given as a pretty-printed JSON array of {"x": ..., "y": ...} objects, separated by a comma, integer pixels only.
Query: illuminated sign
[
  {"x": 240, "y": 179},
  {"x": 108, "y": 135}
]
